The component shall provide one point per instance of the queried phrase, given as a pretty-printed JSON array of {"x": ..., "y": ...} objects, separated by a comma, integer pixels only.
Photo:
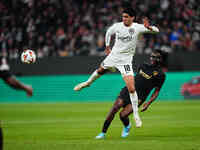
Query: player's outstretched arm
[
  {"x": 153, "y": 98},
  {"x": 152, "y": 29}
]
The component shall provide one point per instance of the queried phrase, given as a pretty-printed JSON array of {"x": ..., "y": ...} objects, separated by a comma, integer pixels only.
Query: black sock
[
  {"x": 125, "y": 121},
  {"x": 106, "y": 125}
]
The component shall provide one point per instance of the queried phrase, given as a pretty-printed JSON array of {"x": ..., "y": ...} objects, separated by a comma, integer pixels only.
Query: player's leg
[
  {"x": 130, "y": 83},
  {"x": 106, "y": 65},
  {"x": 14, "y": 83},
  {"x": 95, "y": 75},
  {"x": 126, "y": 111},
  {"x": 115, "y": 108},
  {"x": 127, "y": 74}
]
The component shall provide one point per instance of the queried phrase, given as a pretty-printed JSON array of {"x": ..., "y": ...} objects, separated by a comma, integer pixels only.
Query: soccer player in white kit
[{"x": 120, "y": 57}]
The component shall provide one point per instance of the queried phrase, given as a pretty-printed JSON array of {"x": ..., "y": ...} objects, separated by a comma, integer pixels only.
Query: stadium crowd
[{"x": 77, "y": 27}]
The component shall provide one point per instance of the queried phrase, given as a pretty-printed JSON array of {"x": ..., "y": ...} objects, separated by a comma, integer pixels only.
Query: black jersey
[{"x": 147, "y": 78}]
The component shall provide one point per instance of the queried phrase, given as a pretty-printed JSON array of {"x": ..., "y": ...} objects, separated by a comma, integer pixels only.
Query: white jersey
[{"x": 125, "y": 40}]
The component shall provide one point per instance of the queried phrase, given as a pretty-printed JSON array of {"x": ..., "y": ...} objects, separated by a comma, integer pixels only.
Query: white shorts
[{"x": 125, "y": 68}]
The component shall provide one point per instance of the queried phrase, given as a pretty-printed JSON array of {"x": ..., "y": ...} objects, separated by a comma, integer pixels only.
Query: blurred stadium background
[{"x": 68, "y": 38}]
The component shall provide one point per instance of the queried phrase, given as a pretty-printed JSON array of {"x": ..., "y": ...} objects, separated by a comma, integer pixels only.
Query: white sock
[
  {"x": 93, "y": 77},
  {"x": 134, "y": 102}
]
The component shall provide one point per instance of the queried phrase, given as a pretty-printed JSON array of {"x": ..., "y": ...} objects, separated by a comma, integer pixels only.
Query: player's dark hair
[
  {"x": 130, "y": 11},
  {"x": 158, "y": 51},
  {"x": 162, "y": 53}
]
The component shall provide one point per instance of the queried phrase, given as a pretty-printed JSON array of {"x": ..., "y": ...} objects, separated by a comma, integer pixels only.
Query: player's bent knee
[
  {"x": 131, "y": 89},
  {"x": 116, "y": 109},
  {"x": 101, "y": 71},
  {"x": 123, "y": 115}
]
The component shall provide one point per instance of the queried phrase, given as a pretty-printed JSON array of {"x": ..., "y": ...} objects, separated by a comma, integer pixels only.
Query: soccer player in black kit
[
  {"x": 148, "y": 77},
  {"x": 9, "y": 79}
]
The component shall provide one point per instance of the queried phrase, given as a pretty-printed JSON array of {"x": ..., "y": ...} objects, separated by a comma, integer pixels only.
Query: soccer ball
[{"x": 28, "y": 56}]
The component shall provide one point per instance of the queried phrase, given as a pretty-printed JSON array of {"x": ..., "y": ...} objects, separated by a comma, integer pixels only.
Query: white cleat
[
  {"x": 138, "y": 122},
  {"x": 81, "y": 86}
]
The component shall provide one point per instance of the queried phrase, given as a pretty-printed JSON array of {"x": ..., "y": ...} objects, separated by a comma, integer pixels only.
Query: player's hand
[
  {"x": 107, "y": 50},
  {"x": 146, "y": 22},
  {"x": 145, "y": 106}
]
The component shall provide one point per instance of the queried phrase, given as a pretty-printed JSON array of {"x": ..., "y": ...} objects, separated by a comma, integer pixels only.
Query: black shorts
[
  {"x": 124, "y": 95},
  {"x": 5, "y": 74}
]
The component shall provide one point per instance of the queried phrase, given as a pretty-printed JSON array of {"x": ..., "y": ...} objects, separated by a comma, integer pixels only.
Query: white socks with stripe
[
  {"x": 134, "y": 102},
  {"x": 93, "y": 77}
]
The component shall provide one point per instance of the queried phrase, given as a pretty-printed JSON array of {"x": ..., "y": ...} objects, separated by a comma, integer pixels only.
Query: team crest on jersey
[
  {"x": 131, "y": 31},
  {"x": 155, "y": 73}
]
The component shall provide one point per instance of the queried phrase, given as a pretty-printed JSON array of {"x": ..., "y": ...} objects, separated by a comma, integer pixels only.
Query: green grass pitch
[{"x": 172, "y": 125}]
